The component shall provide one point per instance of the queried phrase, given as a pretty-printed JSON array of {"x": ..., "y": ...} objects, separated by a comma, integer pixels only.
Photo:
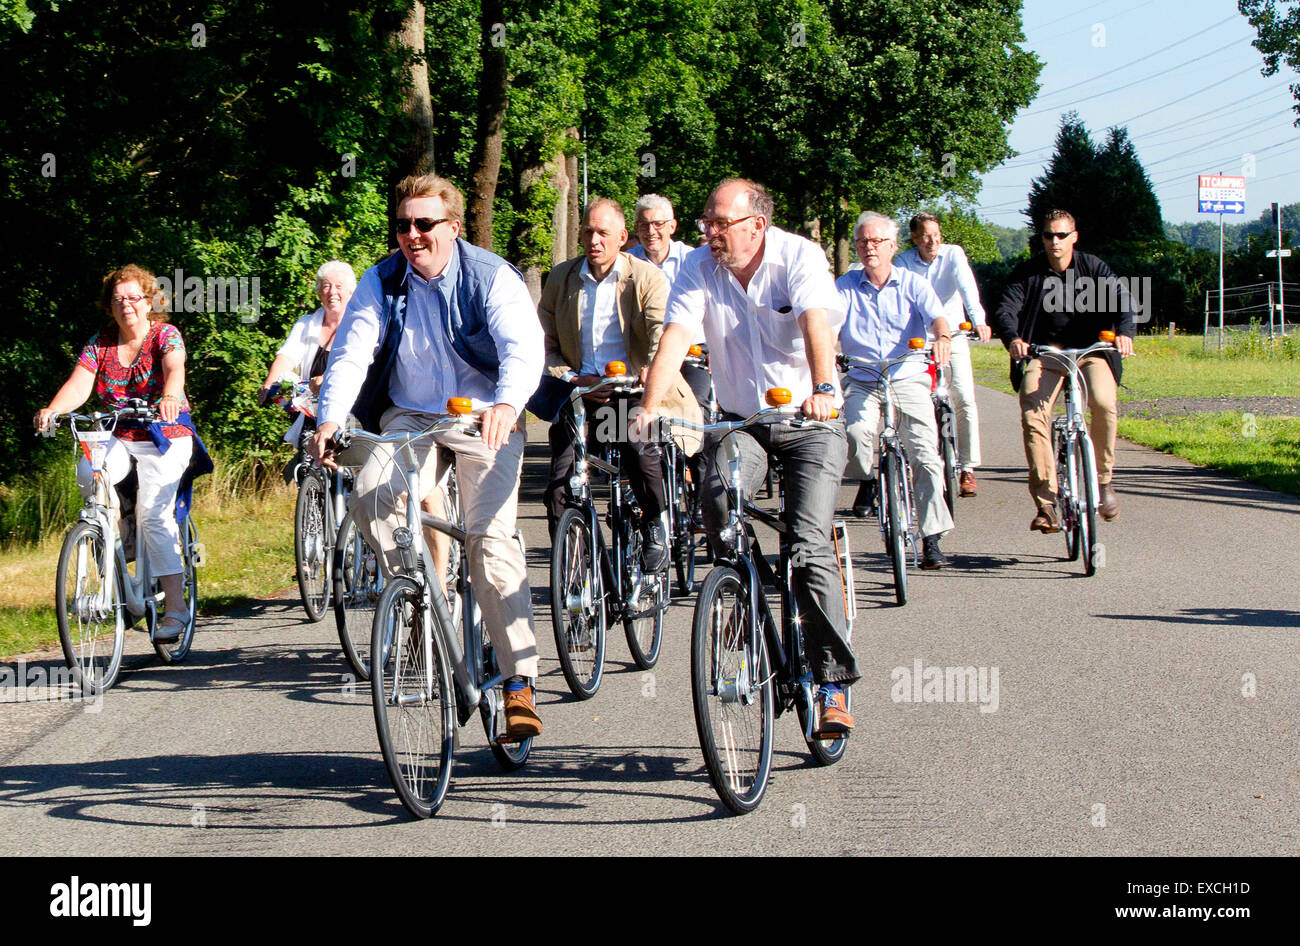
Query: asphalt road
[{"x": 1151, "y": 709}]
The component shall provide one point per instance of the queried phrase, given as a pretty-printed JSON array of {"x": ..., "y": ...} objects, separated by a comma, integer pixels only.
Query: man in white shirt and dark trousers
[
  {"x": 445, "y": 319},
  {"x": 949, "y": 273},
  {"x": 769, "y": 310}
]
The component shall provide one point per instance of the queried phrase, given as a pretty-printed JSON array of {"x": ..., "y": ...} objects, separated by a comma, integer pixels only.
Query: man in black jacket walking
[{"x": 1065, "y": 299}]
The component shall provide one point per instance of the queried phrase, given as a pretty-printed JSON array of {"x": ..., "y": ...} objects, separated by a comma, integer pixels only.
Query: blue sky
[{"x": 1184, "y": 80}]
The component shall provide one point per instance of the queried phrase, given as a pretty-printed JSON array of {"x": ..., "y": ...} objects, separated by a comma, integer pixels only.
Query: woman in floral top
[{"x": 140, "y": 356}]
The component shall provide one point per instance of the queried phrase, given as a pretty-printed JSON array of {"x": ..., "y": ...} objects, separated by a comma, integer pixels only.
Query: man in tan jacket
[{"x": 596, "y": 308}]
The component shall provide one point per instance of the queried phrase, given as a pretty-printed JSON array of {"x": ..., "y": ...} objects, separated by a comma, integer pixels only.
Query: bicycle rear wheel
[
  {"x": 733, "y": 700},
  {"x": 825, "y": 751},
  {"x": 411, "y": 690},
  {"x": 92, "y": 631},
  {"x": 948, "y": 450},
  {"x": 578, "y": 604},
  {"x": 509, "y": 755},
  {"x": 891, "y": 492},
  {"x": 645, "y": 635},
  {"x": 358, "y": 584},
  {"x": 171, "y": 652},
  {"x": 311, "y": 546}
]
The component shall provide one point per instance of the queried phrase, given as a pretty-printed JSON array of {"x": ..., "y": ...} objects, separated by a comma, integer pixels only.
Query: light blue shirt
[
  {"x": 427, "y": 370},
  {"x": 672, "y": 262},
  {"x": 879, "y": 322}
]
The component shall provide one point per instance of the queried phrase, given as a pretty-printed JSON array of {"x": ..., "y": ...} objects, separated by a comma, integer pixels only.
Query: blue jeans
[{"x": 812, "y": 462}]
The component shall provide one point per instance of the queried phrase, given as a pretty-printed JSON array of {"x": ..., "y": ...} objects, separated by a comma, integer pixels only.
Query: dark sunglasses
[
  {"x": 423, "y": 224},
  {"x": 1054, "y": 235}
]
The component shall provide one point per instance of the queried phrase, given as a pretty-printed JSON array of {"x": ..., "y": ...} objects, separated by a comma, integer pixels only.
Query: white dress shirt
[
  {"x": 754, "y": 338},
  {"x": 951, "y": 279},
  {"x": 602, "y": 333},
  {"x": 427, "y": 371}
]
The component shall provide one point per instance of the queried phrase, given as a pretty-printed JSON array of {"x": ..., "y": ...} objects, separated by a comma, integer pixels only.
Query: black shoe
[
  {"x": 654, "y": 546},
  {"x": 864, "y": 504},
  {"x": 931, "y": 555}
]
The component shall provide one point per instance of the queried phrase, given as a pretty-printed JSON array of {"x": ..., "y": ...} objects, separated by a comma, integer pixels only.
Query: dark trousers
[
  {"x": 812, "y": 461},
  {"x": 642, "y": 462}
]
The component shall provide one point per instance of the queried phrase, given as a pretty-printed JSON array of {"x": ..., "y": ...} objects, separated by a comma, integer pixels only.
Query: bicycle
[
  {"x": 94, "y": 591},
  {"x": 895, "y": 503},
  {"x": 945, "y": 418},
  {"x": 594, "y": 582},
  {"x": 1076, "y": 466},
  {"x": 685, "y": 530},
  {"x": 745, "y": 670},
  {"x": 424, "y": 680}
]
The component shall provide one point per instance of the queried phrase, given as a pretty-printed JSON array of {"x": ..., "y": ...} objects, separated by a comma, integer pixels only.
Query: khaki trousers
[
  {"x": 489, "y": 493},
  {"x": 1038, "y": 392}
]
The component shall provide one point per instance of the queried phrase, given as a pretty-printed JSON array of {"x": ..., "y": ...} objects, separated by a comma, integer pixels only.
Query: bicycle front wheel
[
  {"x": 891, "y": 491},
  {"x": 411, "y": 689},
  {"x": 733, "y": 697},
  {"x": 358, "y": 584},
  {"x": 645, "y": 635},
  {"x": 1087, "y": 475},
  {"x": 171, "y": 652},
  {"x": 310, "y": 545},
  {"x": 92, "y": 631},
  {"x": 578, "y": 604}
]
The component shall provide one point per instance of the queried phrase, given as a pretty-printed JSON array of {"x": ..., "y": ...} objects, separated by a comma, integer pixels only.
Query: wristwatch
[{"x": 825, "y": 388}]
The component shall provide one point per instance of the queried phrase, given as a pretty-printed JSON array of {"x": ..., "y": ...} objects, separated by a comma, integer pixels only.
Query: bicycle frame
[{"x": 1073, "y": 426}]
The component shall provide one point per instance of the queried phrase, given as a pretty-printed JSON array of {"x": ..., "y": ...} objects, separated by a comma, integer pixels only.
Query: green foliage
[
  {"x": 1204, "y": 233},
  {"x": 1278, "y": 25}
]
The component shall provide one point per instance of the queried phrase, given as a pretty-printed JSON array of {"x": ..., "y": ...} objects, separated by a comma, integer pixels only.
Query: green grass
[
  {"x": 1265, "y": 450},
  {"x": 1267, "y": 453},
  {"x": 248, "y": 541}
]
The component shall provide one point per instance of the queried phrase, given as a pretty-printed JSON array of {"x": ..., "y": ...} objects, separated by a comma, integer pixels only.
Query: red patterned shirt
[{"x": 115, "y": 384}]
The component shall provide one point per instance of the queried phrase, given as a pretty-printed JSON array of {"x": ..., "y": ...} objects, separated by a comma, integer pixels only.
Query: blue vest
[{"x": 465, "y": 290}]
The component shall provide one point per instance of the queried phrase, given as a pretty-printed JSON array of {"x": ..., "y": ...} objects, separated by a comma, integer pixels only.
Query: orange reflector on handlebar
[
  {"x": 1107, "y": 336},
  {"x": 965, "y": 326},
  {"x": 779, "y": 397},
  {"x": 459, "y": 405},
  {"x": 615, "y": 369},
  {"x": 916, "y": 344},
  {"x": 695, "y": 351},
  {"x": 835, "y": 412}
]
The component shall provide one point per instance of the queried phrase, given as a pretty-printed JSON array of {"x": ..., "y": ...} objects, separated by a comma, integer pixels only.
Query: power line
[
  {"x": 1129, "y": 85},
  {"x": 1151, "y": 111},
  {"x": 1162, "y": 49}
]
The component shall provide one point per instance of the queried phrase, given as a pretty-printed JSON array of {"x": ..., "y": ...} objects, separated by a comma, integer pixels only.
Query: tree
[
  {"x": 1105, "y": 189},
  {"x": 1278, "y": 25}
]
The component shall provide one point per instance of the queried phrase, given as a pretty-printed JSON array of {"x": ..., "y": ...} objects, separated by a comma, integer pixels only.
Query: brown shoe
[
  {"x": 966, "y": 484},
  {"x": 1046, "y": 521},
  {"x": 1109, "y": 507},
  {"x": 522, "y": 721},
  {"x": 835, "y": 719}
]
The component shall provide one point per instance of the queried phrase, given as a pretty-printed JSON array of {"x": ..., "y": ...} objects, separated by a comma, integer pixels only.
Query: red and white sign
[{"x": 1216, "y": 187}]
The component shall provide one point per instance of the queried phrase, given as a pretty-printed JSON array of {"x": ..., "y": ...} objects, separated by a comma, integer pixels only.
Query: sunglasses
[
  {"x": 1053, "y": 235},
  {"x": 423, "y": 224}
]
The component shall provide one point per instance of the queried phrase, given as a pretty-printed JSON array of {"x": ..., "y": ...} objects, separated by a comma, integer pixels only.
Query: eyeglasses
[
  {"x": 423, "y": 224},
  {"x": 1053, "y": 235},
  {"x": 645, "y": 225},
  {"x": 873, "y": 241},
  {"x": 720, "y": 224},
  {"x": 127, "y": 300}
]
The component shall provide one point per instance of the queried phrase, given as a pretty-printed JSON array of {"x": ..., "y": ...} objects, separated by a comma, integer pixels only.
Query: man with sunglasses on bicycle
[
  {"x": 443, "y": 319},
  {"x": 886, "y": 306},
  {"x": 1060, "y": 298},
  {"x": 770, "y": 313}
]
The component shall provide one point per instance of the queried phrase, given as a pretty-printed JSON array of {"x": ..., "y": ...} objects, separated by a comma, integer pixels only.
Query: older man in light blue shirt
[{"x": 885, "y": 307}]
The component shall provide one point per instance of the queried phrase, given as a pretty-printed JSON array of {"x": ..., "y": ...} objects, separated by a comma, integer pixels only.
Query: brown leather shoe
[
  {"x": 835, "y": 719},
  {"x": 522, "y": 721},
  {"x": 1109, "y": 507},
  {"x": 966, "y": 484},
  {"x": 1046, "y": 521}
]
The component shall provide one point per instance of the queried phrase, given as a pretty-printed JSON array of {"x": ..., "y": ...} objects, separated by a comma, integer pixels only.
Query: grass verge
[
  {"x": 1263, "y": 450},
  {"x": 248, "y": 540}
]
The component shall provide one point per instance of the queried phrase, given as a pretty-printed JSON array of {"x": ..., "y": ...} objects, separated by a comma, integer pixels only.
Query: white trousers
[
  {"x": 159, "y": 475},
  {"x": 961, "y": 388}
]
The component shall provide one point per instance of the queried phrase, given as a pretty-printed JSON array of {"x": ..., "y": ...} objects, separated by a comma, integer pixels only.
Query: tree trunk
[
  {"x": 416, "y": 156},
  {"x": 485, "y": 162},
  {"x": 573, "y": 246},
  {"x": 843, "y": 238}
]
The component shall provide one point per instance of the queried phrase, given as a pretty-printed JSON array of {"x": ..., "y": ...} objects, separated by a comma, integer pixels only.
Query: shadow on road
[
  {"x": 1196, "y": 485},
  {"x": 1222, "y": 617}
]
